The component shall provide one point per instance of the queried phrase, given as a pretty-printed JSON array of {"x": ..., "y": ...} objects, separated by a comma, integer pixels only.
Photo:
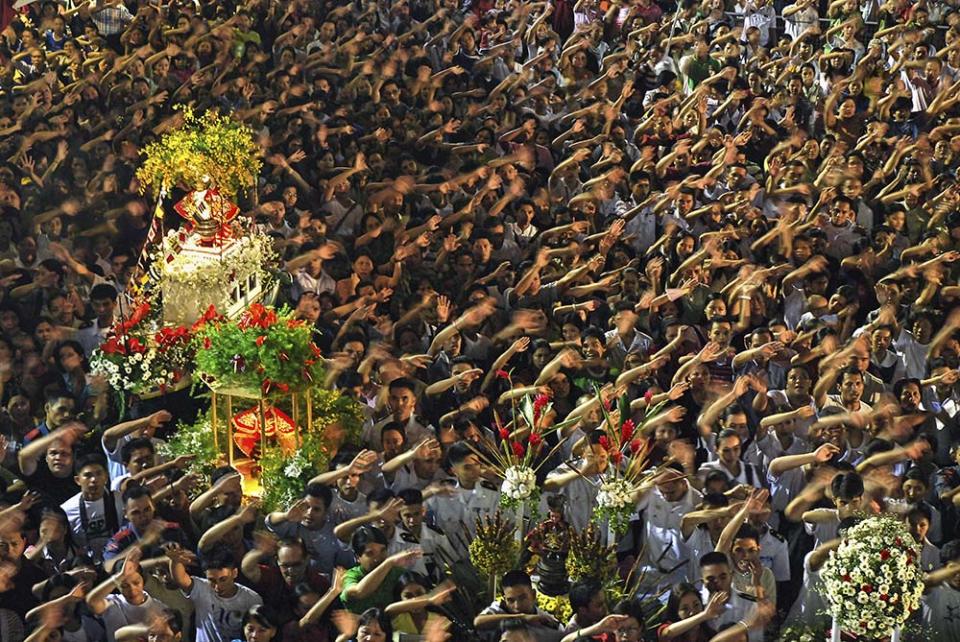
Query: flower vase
[{"x": 519, "y": 520}]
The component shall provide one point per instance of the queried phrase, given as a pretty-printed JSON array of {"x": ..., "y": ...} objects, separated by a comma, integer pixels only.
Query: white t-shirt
[
  {"x": 809, "y": 607},
  {"x": 95, "y": 534},
  {"x": 823, "y": 531},
  {"x": 121, "y": 613},
  {"x": 220, "y": 619},
  {"x": 914, "y": 354}
]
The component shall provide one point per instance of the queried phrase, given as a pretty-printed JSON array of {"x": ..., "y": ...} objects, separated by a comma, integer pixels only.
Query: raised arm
[
  {"x": 317, "y": 610},
  {"x": 372, "y": 580},
  {"x": 115, "y": 433},
  {"x": 97, "y": 597},
  {"x": 246, "y": 515}
]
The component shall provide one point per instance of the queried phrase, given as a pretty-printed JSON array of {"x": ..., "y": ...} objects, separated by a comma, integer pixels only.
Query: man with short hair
[
  {"x": 219, "y": 601},
  {"x": 309, "y": 520},
  {"x": 437, "y": 549},
  {"x": 664, "y": 505},
  {"x": 457, "y": 513},
  {"x": 589, "y": 604},
  {"x": 16, "y": 593},
  {"x": 140, "y": 514},
  {"x": 402, "y": 401},
  {"x": 93, "y": 513},
  {"x": 58, "y": 408},
  {"x": 103, "y": 301},
  {"x": 717, "y": 578},
  {"x": 46, "y": 464},
  {"x": 729, "y": 461},
  {"x": 275, "y": 570},
  {"x": 519, "y": 604}
]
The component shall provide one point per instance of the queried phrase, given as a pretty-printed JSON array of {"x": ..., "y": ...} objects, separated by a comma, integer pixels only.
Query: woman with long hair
[
  {"x": 412, "y": 613},
  {"x": 685, "y": 618}
]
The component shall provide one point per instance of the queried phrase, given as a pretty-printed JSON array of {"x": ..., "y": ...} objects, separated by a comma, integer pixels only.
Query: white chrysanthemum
[
  {"x": 872, "y": 582},
  {"x": 519, "y": 482}
]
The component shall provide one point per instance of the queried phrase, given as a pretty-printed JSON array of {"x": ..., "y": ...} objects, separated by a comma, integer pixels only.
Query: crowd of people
[{"x": 740, "y": 214}]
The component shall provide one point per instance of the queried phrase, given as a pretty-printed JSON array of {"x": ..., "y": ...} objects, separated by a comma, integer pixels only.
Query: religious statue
[{"x": 550, "y": 541}]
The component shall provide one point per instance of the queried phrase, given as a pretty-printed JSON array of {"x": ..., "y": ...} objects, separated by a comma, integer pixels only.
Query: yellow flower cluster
[
  {"x": 559, "y": 606},
  {"x": 589, "y": 557},
  {"x": 207, "y": 151},
  {"x": 494, "y": 550}
]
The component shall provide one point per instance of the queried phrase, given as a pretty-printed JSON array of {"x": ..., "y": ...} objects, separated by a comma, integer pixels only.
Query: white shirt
[
  {"x": 97, "y": 533},
  {"x": 698, "y": 544},
  {"x": 406, "y": 477},
  {"x": 458, "y": 513},
  {"x": 914, "y": 354},
  {"x": 303, "y": 282},
  {"x": 121, "y": 613},
  {"x": 580, "y": 493},
  {"x": 809, "y": 608},
  {"x": 824, "y": 531},
  {"x": 663, "y": 546},
  {"x": 775, "y": 555},
  {"x": 800, "y": 21},
  {"x": 220, "y": 619}
]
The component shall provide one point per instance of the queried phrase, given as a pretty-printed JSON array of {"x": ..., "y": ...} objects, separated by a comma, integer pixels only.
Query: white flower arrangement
[
  {"x": 140, "y": 372},
  {"x": 615, "y": 494},
  {"x": 615, "y": 502},
  {"x": 873, "y": 582},
  {"x": 519, "y": 483}
]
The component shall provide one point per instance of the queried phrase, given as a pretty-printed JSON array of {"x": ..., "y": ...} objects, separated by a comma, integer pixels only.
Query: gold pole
[
  {"x": 263, "y": 428},
  {"x": 309, "y": 409},
  {"x": 213, "y": 421},
  {"x": 230, "y": 428},
  {"x": 295, "y": 412},
  {"x": 294, "y": 409}
]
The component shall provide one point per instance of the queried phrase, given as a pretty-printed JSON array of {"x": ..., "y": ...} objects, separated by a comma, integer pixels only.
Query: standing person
[
  {"x": 94, "y": 512},
  {"x": 132, "y": 605},
  {"x": 220, "y": 603}
]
